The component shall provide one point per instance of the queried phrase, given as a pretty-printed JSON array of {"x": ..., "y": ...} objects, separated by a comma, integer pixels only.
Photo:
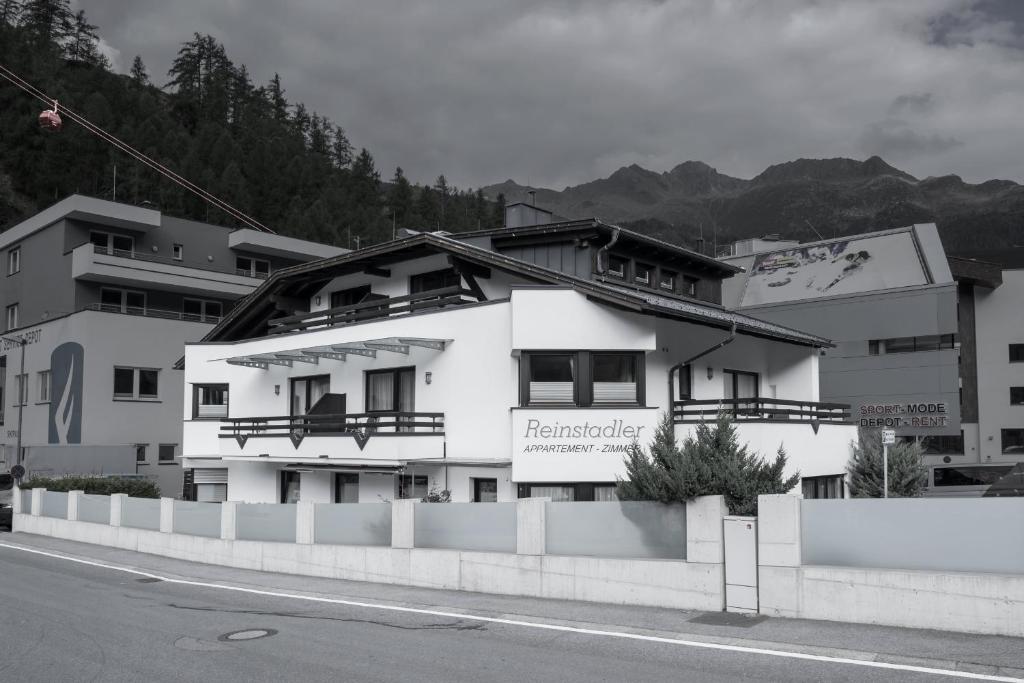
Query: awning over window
[{"x": 340, "y": 351}]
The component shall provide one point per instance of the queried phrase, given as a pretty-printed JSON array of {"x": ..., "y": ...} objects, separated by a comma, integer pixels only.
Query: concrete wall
[
  {"x": 955, "y": 601},
  {"x": 696, "y": 583}
]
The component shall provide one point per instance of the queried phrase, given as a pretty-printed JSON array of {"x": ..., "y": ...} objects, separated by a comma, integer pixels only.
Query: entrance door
[
  {"x": 290, "y": 483},
  {"x": 485, "y": 490},
  {"x": 392, "y": 391},
  {"x": 306, "y": 391}
]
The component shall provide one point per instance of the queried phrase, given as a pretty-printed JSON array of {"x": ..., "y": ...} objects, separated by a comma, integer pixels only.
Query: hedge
[{"x": 136, "y": 488}]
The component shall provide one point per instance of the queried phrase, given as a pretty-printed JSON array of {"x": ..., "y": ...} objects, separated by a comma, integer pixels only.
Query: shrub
[
  {"x": 435, "y": 496},
  {"x": 908, "y": 474},
  {"x": 136, "y": 488},
  {"x": 711, "y": 462}
]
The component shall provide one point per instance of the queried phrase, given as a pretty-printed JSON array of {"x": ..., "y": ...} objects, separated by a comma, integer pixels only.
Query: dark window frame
[
  {"x": 684, "y": 390},
  {"x": 583, "y": 384},
  {"x": 1017, "y": 440},
  {"x": 306, "y": 379},
  {"x": 448, "y": 277},
  {"x": 395, "y": 387},
  {"x": 285, "y": 477},
  {"x": 650, "y": 270},
  {"x": 161, "y": 459},
  {"x": 1016, "y": 353},
  {"x": 735, "y": 381},
  {"x": 177, "y": 252},
  {"x": 402, "y": 492},
  {"x": 336, "y": 480},
  {"x": 583, "y": 491},
  {"x": 216, "y": 386},
  {"x": 1017, "y": 396},
  {"x": 136, "y": 394},
  {"x": 14, "y": 260},
  {"x": 820, "y": 483}
]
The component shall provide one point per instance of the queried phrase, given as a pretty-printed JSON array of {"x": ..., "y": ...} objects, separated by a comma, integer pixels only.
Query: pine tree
[
  {"x": 83, "y": 42},
  {"x": 138, "y": 72},
  {"x": 400, "y": 198},
  {"x": 908, "y": 474},
  {"x": 710, "y": 462},
  {"x": 498, "y": 215}
]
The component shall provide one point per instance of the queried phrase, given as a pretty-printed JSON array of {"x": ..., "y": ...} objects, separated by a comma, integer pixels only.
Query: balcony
[
  {"x": 137, "y": 269},
  {"x": 341, "y": 437},
  {"x": 153, "y": 313},
  {"x": 382, "y": 307},
  {"x": 761, "y": 410}
]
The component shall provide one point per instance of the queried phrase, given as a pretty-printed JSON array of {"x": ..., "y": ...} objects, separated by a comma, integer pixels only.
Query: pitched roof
[{"x": 261, "y": 300}]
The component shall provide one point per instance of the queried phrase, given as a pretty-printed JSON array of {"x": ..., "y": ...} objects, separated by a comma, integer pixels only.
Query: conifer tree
[
  {"x": 908, "y": 474},
  {"x": 710, "y": 462},
  {"x": 138, "y": 72}
]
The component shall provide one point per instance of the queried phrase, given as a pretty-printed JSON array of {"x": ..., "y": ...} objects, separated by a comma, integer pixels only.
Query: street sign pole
[{"x": 888, "y": 438}]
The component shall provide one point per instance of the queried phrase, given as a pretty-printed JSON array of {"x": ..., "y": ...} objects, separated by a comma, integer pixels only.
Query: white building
[{"x": 497, "y": 365}]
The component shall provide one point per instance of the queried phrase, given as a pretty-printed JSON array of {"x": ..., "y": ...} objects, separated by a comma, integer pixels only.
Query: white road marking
[{"x": 532, "y": 624}]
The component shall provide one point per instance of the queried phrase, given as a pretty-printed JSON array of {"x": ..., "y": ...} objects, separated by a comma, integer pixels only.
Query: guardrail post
[
  {"x": 37, "y": 501},
  {"x": 778, "y": 553},
  {"x": 304, "y": 521},
  {"x": 227, "y": 520},
  {"x": 531, "y": 538},
  {"x": 73, "y": 498},
  {"x": 166, "y": 515},
  {"x": 117, "y": 504},
  {"x": 403, "y": 523}
]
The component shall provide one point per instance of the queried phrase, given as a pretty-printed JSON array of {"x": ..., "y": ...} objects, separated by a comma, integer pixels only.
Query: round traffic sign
[{"x": 18, "y": 471}]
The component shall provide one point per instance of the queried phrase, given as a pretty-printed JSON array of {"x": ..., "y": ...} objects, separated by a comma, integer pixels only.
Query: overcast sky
[{"x": 559, "y": 92}]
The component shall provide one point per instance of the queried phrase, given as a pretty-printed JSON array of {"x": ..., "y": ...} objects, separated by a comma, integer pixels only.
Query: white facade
[{"x": 474, "y": 384}]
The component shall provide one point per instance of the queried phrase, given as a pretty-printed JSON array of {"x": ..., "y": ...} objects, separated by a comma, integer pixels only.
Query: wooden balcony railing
[
  {"x": 382, "y": 307},
  {"x": 761, "y": 410},
  {"x": 334, "y": 425}
]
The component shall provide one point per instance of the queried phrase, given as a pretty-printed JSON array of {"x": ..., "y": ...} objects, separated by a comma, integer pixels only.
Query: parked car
[{"x": 6, "y": 501}]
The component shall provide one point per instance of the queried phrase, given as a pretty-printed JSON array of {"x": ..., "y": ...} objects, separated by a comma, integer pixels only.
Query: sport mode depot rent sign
[
  {"x": 893, "y": 415},
  {"x": 576, "y": 444}
]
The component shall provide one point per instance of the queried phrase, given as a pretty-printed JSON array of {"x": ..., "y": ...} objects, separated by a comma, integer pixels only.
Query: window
[
  {"x": 201, "y": 310},
  {"x": 349, "y": 297},
  {"x": 685, "y": 383},
  {"x": 44, "y": 386},
  {"x": 667, "y": 280},
  {"x": 107, "y": 243},
  {"x": 307, "y": 392},
  {"x": 740, "y": 385},
  {"x": 581, "y": 378},
  {"x": 1017, "y": 396},
  {"x": 12, "y": 317},
  {"x": 690, "y": 285},
  {"x": 606, "y": 492},
  {"x": 122, "y": 301},
  {"x": 412, "y": 486},
  {"x": 940, "y": 444},
  {"x": 643, "y": 274},
  {"x": 140, "y": 452},
  {"x": 3, "y": 386},
  {"x": 977, "y": 475},
  {"x": 565, "y": 493},
  {"x": 552, "y": 378},
  {"x": 1013, "y": 440},
  {"x": 252, "y": 267},
  {"x": 485, "y": 490},
  {"x": 210, "y": 484},
  {"x": 346, "y": 487},
  {"x": 823, "y": 487},
  {"x": 290, "y": 486},
  {"x": 136, "y": 383},
  {"x": 390, "y": 390},
  {"x": 22, "y": 389},
  {"x": 615, "y": 378},
  {"x": 1017, "y": 353},
  {"x": 617, "y": 266},
  {"x": 438, "y": 279},
  {"x": 209, "y": 401},
  {"x": 14, "y": 261},
  {"x": 931, "y": 342},
  {"x": 165, "y": 452},
  {"x": 177, "y": 252}
]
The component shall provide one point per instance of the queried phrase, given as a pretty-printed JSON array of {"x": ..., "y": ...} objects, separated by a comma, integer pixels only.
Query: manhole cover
[
  {"x": 149, "y": 580},
  {"x": 728, "y": 619},
  {"x": 248, "y": 634}
]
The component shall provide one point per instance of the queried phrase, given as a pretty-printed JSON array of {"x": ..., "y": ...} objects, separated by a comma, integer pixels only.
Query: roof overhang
[{"x": 312, "y": 355}]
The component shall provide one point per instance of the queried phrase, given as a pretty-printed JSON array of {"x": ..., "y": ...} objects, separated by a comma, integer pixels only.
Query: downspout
[
  {"x": 679, "y": 366},
  {"x": 601, "y": 265}
]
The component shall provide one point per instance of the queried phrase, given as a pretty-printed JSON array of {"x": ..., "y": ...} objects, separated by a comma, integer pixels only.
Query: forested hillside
[{"x": 293, "y": 170}]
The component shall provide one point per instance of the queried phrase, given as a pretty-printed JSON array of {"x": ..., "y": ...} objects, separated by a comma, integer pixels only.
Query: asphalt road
[{"x": 65, "y": 621}]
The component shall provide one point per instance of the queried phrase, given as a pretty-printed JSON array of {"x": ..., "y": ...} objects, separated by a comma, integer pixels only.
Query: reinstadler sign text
[{"x": 612, "y": 436}]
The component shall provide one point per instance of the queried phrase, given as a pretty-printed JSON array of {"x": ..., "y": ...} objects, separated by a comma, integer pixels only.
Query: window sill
[
  {"x": 42, "y": 403},
  {"x": 207, "y": 419},
  {"x": 168, "y": 462},
  {"x": 137, "y": 400}
]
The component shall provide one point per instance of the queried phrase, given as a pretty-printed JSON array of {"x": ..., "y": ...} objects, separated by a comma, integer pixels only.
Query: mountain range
[{"x": 806, "y": 199}]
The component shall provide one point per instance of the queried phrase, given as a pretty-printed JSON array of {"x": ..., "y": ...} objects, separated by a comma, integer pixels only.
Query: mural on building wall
[
  {"x": 66, "y": 367},
  {"x": 847, "y": 266}
]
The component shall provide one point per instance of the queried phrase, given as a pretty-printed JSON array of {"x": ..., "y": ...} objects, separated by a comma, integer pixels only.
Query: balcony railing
[
  {"x": 376, "y": 308},
  {"x": 149, "y": 258},
  {"x": 761, "y": 410},
  {"x": 334, "y": 425},
  {"x": 152, "y": 313}
]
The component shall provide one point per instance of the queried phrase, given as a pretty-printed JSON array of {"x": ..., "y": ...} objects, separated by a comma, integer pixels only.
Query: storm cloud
[{"x": 557, "y": 92}]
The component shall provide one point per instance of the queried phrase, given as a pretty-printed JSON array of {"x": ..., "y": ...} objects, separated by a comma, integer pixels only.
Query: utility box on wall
[{"x": 741, "y": 564}]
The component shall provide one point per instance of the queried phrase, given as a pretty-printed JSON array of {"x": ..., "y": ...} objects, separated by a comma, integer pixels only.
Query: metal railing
[
  {"x": 152, "y": 313},
  {"x": 334, "y": 425},
  {"x": 376, "y": 308},
  {"x": 149, "y": 258},
  {"x": 760, "y": 410}
]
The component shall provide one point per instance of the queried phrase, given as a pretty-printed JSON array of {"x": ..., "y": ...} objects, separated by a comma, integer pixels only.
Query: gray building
[
  {"x": 105, "y": 296},
  {"x": 889, "y": 303}
]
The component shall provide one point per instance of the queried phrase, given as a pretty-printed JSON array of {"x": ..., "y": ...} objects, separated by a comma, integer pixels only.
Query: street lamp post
[{"x": 22, "y": 390}]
